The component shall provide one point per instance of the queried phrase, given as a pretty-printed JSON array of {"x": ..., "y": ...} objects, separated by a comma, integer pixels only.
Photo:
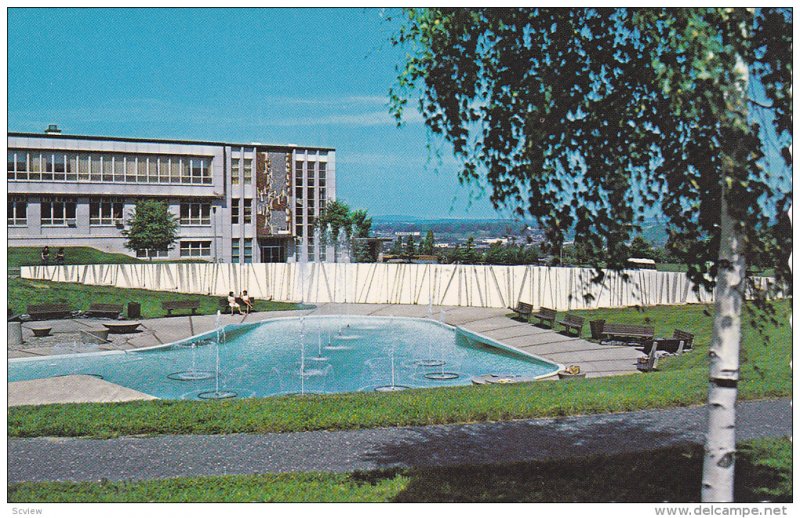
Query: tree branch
[{"x": 760, "y": 105}]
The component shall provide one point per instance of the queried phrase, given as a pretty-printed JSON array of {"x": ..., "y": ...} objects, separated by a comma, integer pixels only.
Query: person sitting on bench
[
  {"x": 233, "y": 304},
  {"x": 248, "y": 304}
]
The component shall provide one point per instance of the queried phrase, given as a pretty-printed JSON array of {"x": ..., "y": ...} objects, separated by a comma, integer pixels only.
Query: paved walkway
[
  {"x": 594, "y": 359},
  {"x": 135, "y": 458}
]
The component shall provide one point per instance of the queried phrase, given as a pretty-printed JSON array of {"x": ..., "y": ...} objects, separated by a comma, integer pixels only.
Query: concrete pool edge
[{"x": 495, "y": 343}]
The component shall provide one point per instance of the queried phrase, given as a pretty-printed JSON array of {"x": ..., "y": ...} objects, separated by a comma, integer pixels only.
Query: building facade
[{"x": 239, "y": 203}]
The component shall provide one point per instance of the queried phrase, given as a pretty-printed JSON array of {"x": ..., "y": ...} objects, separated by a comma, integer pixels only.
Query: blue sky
[{"x": 304, "y": 76}]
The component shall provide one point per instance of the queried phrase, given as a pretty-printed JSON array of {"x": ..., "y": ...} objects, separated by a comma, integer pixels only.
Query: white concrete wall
[{"x": 382, "y": 283}]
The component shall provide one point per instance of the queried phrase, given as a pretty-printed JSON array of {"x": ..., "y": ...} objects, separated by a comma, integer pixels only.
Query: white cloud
[{"x": 357, "y": 111}]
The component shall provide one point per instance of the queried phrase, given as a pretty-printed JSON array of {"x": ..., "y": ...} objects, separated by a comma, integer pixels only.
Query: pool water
[{"x": 339, "y": 354}]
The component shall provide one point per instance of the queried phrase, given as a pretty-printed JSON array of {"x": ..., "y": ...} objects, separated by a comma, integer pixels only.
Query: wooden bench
[
  {"x": 572, "y": 322},
  {"x": 688, "y": 338},
  {"x": 680, "y": 341},
  {"x": 171, "y": 305},
  {"x": 668, "y": 345},
  {"x": 49, "y": 311},
  {"x": 523, "y": 310},
  {"x": 627, "y": 332},
  {"x": 546, "y": 315},
  {"x": 104, "y": 310},
  {"x": 649, "y": 363}
]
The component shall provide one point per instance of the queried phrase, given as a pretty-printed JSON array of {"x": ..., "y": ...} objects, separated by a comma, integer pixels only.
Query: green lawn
[
  {"x": 22, "y": 292},
  {"x": 680, "y": 382},
  {"x": 763, "y": 473}
]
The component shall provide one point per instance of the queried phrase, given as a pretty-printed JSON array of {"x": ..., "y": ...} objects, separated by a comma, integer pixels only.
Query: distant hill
[
  {"x": 404, "y": 218},
  {"x": 655, "y": 232},
  {"x": 454, "y": 227}
]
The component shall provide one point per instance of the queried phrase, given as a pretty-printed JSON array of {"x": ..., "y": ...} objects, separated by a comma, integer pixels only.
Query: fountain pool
[{"x": 323, "y": 354}]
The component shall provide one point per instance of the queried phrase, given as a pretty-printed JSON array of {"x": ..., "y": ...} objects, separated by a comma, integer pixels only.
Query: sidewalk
[{"x": 136, "y": 458}]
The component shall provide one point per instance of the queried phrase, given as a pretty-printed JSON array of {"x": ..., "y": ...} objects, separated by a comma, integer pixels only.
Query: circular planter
[
  {"x": 126, "y": 328},
  {"x": 41, "y": 331}
]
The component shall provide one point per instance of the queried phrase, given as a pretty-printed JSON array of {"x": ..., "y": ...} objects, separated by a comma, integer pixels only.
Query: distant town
[{"x": 494, "y": 241}]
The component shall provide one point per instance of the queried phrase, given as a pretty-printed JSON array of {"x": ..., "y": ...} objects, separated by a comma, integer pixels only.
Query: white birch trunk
[{"x": 720, "y": 447}]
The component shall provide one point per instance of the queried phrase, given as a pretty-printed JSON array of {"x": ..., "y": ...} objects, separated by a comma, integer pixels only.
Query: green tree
[
  {"x": 363, "y": 250},
  {"x": 362, "y": 224},
  {"x": 335, "y": 216},
  {"x": 397, "y": 247},
  {"x": 151, "y": 227},
  {"x": 585, "y": 118},
  {"x": 427, "y": 247},
  {"x": 468, "y": 253},
  {"x": 640, "y": 247},
  {"x": 497, "y": 254},
  {"x": 410, "y": 250}
]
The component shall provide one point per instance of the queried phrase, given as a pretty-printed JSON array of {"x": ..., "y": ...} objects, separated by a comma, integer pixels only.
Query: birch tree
[{"x": 589, "y": 120}]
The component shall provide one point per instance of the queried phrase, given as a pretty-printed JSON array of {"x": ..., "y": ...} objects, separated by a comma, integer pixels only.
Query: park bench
[
  {"x": 680, "y": 341},
  {"x": 688, "y": 338},
  {"x": 171, "y": 305},
  {"x": 627, "y": 332},
  {"x": 104, "y": 310},
  {"x": 546, "y": 315},
  {"x": 649, "y": 363},
  {"x": 572, "y": 322},
  {"x": 523, "y": 310},
  {"x": 49, "y": 311}
]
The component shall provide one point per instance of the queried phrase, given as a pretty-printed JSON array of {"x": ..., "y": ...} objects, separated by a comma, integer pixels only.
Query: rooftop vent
[{"x": 52, "y": 129}]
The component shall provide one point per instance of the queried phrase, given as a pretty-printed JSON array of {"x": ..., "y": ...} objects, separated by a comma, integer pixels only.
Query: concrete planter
[{"x": 41, "y": 331}]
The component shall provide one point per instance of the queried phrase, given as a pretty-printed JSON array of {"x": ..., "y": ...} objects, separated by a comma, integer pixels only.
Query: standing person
[
  {"x": 60, "y": 256},
  {"x": 233, "y": 304},
  {"x": 46, "y": 255},
  {"x": 248, "y": 304}
]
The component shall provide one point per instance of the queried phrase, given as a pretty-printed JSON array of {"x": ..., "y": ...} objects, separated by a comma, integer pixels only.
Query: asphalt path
[{"x": 167, "y": 456}]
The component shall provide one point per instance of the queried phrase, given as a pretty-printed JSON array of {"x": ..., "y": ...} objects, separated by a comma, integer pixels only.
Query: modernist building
[{"x": 235, "y": 202}]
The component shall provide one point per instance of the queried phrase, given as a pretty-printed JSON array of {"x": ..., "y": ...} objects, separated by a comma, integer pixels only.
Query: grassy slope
[
  {"x": 763, "y": 473},
  {"x": 681, "y": 381},
  {"x": 29, "y": 256},
  {"x": 22, "y": 292}
]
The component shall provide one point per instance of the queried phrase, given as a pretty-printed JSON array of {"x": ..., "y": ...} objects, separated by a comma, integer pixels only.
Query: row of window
[
  {"x": 246, "y": 165},
  {"x": 322, "y": 250},
  {"x": 321, "y": 173},
  {"x": 107, "y": 167},
  {"x": 186, "y": 249},
  {"x": 120, "y": 168},
  {"x": 248, "y": 251},
  {"x": 60, "y": 211},
  {"x": 248, "y": 211}
]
